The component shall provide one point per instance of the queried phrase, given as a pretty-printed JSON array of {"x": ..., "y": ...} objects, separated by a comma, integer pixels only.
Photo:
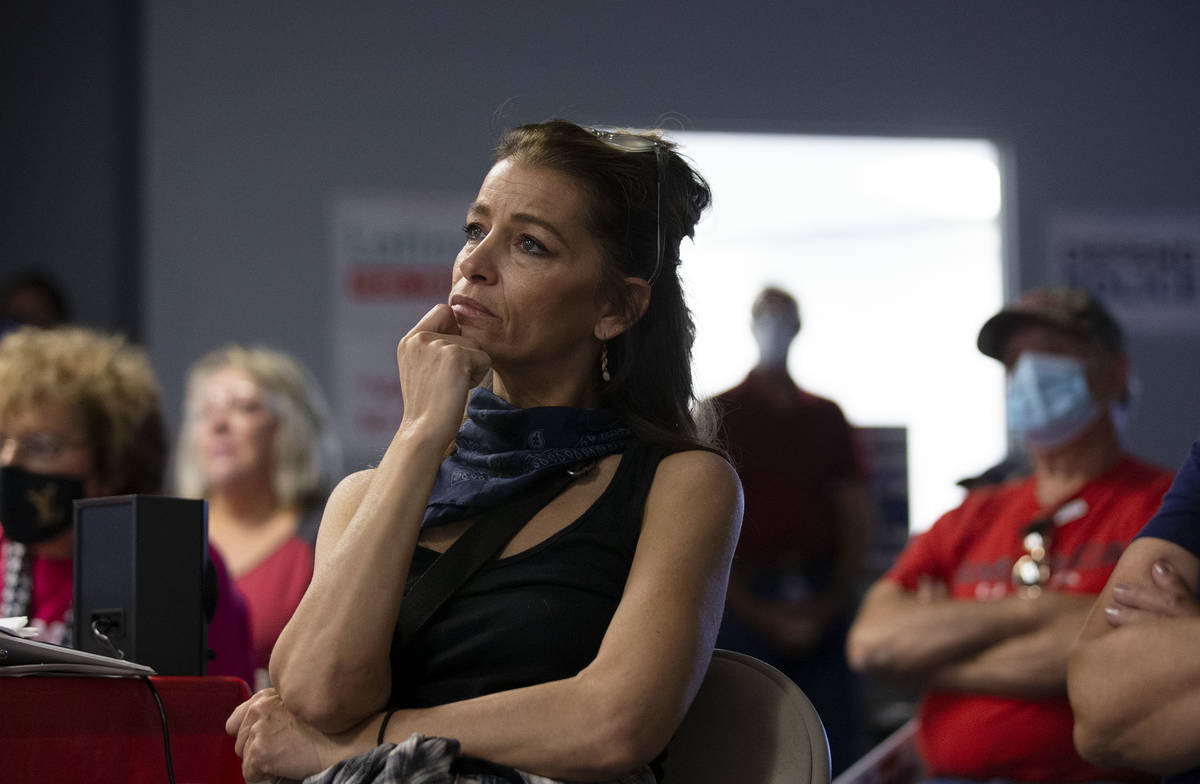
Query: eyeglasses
[
  {"x": 37, "y": 448},
  {"x": 632, "y": 142},
  {"x": 1031, "y": 572}
]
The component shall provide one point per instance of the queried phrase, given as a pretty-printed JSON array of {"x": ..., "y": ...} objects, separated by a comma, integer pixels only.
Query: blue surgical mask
[{"x": 1048, "y": 399}]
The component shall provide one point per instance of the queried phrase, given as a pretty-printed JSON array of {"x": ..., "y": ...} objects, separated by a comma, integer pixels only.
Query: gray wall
[
  {"x": 256, "y": 112},
  {"x": 69, "y": 152}
]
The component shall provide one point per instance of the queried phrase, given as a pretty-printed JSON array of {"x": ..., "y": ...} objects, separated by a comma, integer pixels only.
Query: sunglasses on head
[
  {"x": 1031, "y": 572},
  {"x": 632, "y": 142}
]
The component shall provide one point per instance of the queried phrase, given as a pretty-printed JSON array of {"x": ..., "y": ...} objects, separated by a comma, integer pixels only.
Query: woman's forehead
[
  {"x": 520, "y": 188},
  {"x": 230, "y": 378}
]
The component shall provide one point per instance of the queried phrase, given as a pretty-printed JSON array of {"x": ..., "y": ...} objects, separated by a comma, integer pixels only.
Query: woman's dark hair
[{"x": 650, "y": 365}]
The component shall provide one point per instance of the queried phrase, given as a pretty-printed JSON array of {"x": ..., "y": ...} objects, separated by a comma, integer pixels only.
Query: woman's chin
[{"x": 220, "y": 481}]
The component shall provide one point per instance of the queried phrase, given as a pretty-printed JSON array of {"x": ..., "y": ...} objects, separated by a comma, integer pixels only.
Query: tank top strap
[{"x": 623, "y": 502}]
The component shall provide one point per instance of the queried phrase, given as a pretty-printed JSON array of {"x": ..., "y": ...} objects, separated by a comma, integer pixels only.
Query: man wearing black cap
[{"x": 985, "y": 606}]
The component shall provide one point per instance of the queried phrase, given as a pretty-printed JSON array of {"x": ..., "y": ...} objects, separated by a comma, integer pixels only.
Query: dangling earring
[{"x": 604, "y": 363}]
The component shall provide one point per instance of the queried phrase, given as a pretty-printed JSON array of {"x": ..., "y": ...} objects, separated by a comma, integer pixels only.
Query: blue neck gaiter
[{"x": 502, "y": 450}]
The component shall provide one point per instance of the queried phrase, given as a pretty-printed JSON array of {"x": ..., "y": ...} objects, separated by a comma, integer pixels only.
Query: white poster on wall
[
  {"x": 392, "y": 258},
  {"x": 1146, "y": 268}
]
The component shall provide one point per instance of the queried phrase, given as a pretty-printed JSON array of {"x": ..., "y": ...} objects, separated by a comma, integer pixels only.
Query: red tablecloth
[{"x": 99, "y": 730}]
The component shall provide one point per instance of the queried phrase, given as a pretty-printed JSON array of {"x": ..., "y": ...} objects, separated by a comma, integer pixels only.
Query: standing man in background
[{"x": 804, "y": 534}]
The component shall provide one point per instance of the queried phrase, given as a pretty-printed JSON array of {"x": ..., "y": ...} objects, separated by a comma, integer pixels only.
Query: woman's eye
[
  {"x": 474, "y": 232},
  {"x": 530, "y": 245}
]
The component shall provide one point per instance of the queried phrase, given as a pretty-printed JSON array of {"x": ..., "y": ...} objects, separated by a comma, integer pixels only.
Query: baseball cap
[{"x": 1071, "y": 310}]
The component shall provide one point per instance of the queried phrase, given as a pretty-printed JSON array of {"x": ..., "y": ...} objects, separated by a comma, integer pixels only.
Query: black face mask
[{"x": 36, "y": 507}]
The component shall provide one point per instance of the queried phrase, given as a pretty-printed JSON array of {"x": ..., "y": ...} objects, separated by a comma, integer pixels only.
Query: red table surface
[{"x": 99, "y": 730}]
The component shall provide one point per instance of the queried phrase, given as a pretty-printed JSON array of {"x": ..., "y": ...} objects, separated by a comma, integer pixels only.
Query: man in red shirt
[
  {"x": 804, "y": 532},
  {"x": 985, "y": 606}
]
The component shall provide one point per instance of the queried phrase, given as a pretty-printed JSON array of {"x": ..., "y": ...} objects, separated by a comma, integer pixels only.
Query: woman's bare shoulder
[
  {"x": 699, "y": 477},
  {"x": 698, "y": 467}
]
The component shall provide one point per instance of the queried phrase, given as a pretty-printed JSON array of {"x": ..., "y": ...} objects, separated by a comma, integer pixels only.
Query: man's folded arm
[
  {"x": 1029, "y": 664},
  {"x": 899, "y": 633}
]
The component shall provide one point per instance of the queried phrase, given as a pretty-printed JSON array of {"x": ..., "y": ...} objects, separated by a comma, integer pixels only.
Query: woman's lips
[{"x": 465, "y": 307}]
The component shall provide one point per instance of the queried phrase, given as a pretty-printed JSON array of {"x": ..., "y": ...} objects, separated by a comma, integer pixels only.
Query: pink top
[
  {"x": 272, "y": 589},
  {"x": 53, "y": 592}
]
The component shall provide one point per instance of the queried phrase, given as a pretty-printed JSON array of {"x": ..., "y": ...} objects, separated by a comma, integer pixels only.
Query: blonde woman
[{"x": 255, "y": 444}]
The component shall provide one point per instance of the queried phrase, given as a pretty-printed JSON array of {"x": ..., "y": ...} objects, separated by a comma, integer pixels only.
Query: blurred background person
[
  {"x": 33, "y": 298},
  {"x": 804, "y": 536},
  {"x": 257, "y": 445},
  {"x": 80, "y": 413},
  {"x": 984, "y": 607}
]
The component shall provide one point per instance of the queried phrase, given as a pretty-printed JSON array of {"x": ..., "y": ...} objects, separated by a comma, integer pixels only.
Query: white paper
[
  {"x": 18, "y": 625},
  {"x": 1145, "y": 267}
]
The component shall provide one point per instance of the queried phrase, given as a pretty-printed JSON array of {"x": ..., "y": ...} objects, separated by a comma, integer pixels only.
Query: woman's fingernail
[
  {"x": 1120, "y": 591},
  {"x": 1161, "y": 568},
  {"x": 1112, "y": 612}
]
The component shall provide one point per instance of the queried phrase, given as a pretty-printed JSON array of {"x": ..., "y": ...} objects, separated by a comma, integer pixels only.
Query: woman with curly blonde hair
[{"x": 80, "y": 412}]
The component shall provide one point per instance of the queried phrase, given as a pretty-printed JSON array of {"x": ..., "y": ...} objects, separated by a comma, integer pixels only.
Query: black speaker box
[{"x": 140, "y": 566}]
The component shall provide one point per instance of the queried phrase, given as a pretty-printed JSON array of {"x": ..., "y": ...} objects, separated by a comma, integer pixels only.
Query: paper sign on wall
[
  {"x": 392, "y": 258},
  {"x": 1147, "y": 269}
]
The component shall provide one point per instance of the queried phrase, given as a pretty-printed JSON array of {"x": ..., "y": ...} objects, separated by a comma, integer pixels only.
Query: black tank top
[{"x": 533, "y": 617}]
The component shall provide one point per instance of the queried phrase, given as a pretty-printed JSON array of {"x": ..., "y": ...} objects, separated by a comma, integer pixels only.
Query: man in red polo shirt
[{"x": 985, "y": 606}]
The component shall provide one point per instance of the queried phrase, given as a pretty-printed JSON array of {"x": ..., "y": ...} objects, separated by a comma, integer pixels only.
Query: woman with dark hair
[{"x": 575, "y": 651}]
